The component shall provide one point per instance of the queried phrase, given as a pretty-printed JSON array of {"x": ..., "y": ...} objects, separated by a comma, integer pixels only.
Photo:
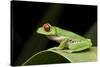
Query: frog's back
[{"x": 68, "y": 34}]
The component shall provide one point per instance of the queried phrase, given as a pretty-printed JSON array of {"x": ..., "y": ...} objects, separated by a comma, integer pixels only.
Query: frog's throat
[{"x": 56, "y": 38}]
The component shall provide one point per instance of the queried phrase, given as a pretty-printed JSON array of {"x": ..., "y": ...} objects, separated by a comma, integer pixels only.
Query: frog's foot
[
  {"x": 55, "y": 48},
  {"x": 68, "y": 51}
]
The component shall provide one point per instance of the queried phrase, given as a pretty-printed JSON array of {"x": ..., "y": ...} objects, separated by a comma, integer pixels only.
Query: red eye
[{"x": 47, "y": 27}]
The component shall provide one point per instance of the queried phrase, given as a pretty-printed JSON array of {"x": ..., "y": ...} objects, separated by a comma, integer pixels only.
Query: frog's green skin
[{"x": 64, "y": 36}]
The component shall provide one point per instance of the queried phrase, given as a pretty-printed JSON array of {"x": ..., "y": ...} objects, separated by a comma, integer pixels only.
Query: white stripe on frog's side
[{"x": 56, "y": 38}]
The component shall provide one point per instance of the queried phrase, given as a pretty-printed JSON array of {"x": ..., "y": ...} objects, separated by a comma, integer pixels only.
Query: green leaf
[{"x": 52, "y": 56}]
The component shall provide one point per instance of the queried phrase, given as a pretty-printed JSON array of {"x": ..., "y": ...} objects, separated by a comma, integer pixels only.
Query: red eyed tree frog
[{"x": 69, "y": 41}]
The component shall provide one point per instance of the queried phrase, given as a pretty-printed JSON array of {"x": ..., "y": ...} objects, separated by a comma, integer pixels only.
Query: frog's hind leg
[
  {"x": 74, "y": 51},
  {"x": 78, "y": 47}
]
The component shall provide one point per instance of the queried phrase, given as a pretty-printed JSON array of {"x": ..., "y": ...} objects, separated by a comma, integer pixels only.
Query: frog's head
[{"x": 47, "y": 29}]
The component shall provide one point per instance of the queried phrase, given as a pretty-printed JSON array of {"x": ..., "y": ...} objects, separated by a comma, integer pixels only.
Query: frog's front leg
[
  {"x": 63, "y": 45},
  {"x": 79, "y": 46}
]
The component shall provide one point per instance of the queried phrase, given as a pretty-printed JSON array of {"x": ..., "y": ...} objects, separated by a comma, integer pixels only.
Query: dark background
[{"x": 26, "y": 17}]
